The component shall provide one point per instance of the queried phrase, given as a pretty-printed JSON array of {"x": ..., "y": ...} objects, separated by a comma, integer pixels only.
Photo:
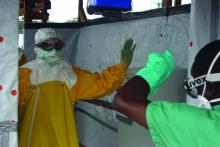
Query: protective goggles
[{"x": 51, "y": 44}]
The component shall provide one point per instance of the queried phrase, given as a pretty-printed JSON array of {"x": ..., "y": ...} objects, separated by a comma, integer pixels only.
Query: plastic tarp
[{"x": 8, "y": 69}]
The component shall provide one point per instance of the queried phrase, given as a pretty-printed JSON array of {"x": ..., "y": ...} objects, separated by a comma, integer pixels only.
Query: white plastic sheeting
[
  {"x": 200, "y": 26},
  {"x": 8, "y": 69}
]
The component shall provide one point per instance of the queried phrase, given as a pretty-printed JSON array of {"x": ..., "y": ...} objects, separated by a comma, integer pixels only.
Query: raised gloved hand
[
  {"x": 127, "y": 51},
  {"x": 157, "y": 69}
]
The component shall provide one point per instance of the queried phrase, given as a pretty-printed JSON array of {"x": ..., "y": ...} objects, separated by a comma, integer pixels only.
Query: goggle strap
[
  {"x": 193, "y": 83},
  {"x": 215, "y": 100}
]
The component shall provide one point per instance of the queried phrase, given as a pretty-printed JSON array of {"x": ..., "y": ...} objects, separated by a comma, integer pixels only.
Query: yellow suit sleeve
[
  {"x": 96, "y": 85},
  {"x": 24, "y": 85}
]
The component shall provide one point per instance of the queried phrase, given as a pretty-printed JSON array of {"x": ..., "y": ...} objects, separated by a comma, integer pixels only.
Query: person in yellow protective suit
[{"x": 49, "y": 86}]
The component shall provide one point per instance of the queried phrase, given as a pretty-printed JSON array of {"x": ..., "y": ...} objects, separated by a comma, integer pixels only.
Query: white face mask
[
  {"x": 49, "y": 56},
  {"x": 190, "y": 86}
]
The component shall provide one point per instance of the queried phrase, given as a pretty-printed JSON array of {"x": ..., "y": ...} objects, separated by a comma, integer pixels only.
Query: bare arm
[{"x": 131, "y": 100}]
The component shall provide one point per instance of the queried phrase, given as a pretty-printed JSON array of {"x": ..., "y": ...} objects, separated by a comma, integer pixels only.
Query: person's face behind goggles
[{"x": 51, "y": 44}]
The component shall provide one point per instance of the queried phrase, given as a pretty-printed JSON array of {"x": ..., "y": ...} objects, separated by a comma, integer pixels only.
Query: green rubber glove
[
  {"x": 127, "y": 51},
  {"x": 158, "y": 68}
]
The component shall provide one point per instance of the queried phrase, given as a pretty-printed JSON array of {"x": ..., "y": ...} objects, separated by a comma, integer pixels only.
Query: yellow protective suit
[{"x": 51, "y": 121}]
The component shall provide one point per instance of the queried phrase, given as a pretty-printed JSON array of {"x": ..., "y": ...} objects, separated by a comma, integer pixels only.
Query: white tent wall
[
  {"x": 203, "y": 22},
  {"x": 8, "y": 69},
  {"x": 97, "y": 46}
]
